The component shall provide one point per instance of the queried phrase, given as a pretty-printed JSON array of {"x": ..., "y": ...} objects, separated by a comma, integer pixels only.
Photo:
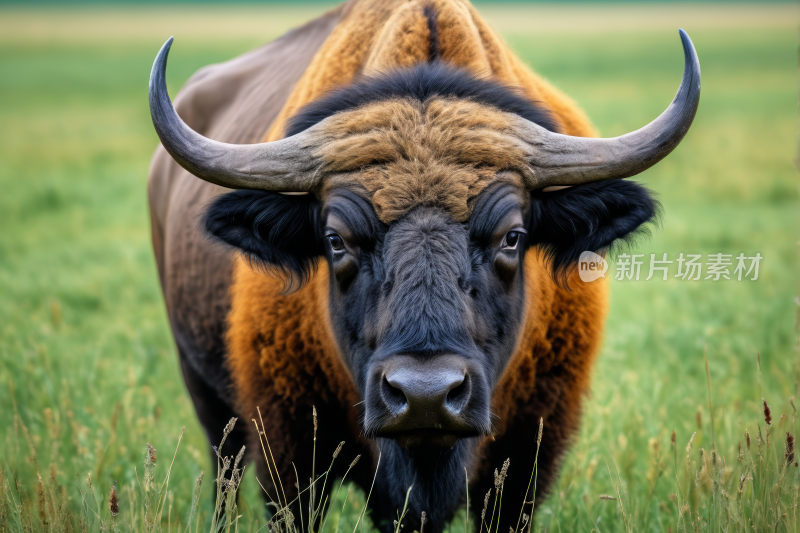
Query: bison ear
[
  {"x": 274, "y": 231},
  {"x": 589, "y": 217}
]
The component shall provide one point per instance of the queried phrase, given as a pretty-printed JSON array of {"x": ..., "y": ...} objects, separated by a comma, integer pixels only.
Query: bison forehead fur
[{"x": 403, "y": 154}]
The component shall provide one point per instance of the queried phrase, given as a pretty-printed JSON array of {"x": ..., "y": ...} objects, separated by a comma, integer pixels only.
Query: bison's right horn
[
  {"x": 562, "y": 160},
  {"x": 285, "y": 166}
]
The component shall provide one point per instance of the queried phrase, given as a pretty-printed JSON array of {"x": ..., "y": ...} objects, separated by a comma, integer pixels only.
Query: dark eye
[
  {"x": 511, "y": 240},
  {"x": 336, "y": 242}
]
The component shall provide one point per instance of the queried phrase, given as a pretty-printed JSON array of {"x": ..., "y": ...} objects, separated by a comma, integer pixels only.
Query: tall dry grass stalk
[{"x": 318, "y": 510}]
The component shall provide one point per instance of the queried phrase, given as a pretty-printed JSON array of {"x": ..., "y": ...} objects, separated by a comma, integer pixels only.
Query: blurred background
[{"x": 88, "y": 370}]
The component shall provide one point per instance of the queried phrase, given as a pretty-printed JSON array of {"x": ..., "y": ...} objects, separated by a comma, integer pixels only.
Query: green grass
[{"x": 87, "y": 365}]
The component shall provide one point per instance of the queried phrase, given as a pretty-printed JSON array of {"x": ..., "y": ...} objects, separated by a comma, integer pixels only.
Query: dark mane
[{"x": 422, "y": 82}]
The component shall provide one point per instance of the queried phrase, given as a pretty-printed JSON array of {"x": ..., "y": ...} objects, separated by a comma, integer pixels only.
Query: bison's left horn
[
  {"x": 286, "y": 165},
  {"x": 564, "y": 160}
]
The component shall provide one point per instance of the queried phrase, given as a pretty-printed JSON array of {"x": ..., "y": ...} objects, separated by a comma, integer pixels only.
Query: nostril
[
  {"x": 458, "y": 396},
  {"x": 393, "y": 397}
]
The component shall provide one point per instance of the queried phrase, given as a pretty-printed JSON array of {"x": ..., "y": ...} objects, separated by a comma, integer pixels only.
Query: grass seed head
[
  {"x": 541, "y": 429},
  {"x": 689, "y": 445},
  {"x": 314, "y": 413},
  {"x": 198, "y": 484},
  {"x": 152, "y": 453},
  {"x": 338, "y": 450},
  {"x": 229, "y": 426},
  {"x": 704, "y": 479},
  {"x": 500, "y": 479},
  {"x": 767, "y": 412},
  {"x": 225, "y": 433},
  {"x": 355, "y": 461},
  {"x": 42, "y": 501},
  {"x": 149, "y": 466},
  {"x": 789, "y": 448},
  {"x": 747, "y": 438},
  {"x": 699, "y": 419},
  {"x": 113, "y": 500},
  {"x": 238, "y": 458},
  {"x": 486, "y": 504},
  {"x": 607, "y": 497},
  {"x": 689, "y": 452},
  {"x": 673, "y": 439}
]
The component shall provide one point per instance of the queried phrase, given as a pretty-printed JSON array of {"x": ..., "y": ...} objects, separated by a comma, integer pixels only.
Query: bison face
[{"x": 426, "y": 311}]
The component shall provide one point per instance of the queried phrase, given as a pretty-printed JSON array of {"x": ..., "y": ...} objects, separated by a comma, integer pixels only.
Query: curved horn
[
  {"x": 286, "y": 165},
  {"x": 564, "y": 160}
]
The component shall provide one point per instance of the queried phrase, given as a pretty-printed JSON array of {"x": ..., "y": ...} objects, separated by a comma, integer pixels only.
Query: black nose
[
  {"x": 426, "y": 398},
  {"x": 424, "y": 393}
]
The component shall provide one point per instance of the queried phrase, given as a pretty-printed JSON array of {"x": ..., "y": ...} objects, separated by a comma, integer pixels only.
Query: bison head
[{"x": 423, "y": 189}]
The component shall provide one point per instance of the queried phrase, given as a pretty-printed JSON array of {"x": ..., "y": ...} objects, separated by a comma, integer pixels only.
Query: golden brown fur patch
[
  {"x": 404, "y": 153},
  {"x": 278, "y": 340}
]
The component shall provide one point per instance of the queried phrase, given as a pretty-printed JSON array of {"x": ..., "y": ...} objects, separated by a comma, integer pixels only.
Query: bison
[{"x": 388, "y": 215}]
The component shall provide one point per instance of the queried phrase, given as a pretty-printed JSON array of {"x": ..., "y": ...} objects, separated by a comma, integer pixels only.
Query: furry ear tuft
[
  {"x": 590, "y": 217},
  {"x": 275, "y": 232}
]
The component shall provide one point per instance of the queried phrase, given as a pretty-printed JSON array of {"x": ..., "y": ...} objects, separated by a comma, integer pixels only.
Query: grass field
[{"x": 88, "y": 371}]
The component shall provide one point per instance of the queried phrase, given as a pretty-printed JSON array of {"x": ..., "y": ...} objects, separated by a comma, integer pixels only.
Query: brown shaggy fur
[
  {"x": 377, "y": 35},
  {"x": 281, "y": 351},
  {"x": 402, "y": 154}
]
